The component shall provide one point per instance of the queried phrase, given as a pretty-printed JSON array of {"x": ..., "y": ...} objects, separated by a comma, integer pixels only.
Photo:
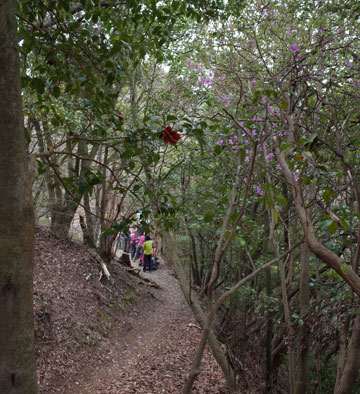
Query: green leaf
[
  {"x": 280, "y": 199},
  {"x": 241, "y": 242},
  {"x": 217, "y": 149},
  {"x": 275, "y": 216},
  {"x": 325, "y": 224},
  {"x": 344, "y": 269},
  {"x": 328, "y": 194},
  {"x": 268, "y": 199},
  {"x": 333, "y": 227},
  {"x": 345, "y": 224},
  {"x": 284, "y": 146},
  {"x": 38, "y": 84},
  {"x": 171, "y": 117},
  {"x": 208, "y": 218}
]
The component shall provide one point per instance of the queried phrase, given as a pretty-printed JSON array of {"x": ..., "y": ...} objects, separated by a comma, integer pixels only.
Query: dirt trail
[{"x": 154, "y": 355}]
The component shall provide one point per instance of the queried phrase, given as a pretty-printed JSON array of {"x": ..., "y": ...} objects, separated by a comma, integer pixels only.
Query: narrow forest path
[{"x": 154, "y": 354}]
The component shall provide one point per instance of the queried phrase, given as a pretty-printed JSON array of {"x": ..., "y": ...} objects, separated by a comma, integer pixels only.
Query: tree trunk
[
  {"x": 269, "y": 316},
  {"x": 345, "y": 384},
  {"x": 17, "y": 361},
  {"x": 304, "y": 301}
]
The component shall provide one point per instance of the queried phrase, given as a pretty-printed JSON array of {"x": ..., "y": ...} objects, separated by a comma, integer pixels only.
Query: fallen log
[
  {"x": 103, "y": 266},
  {"x": 136, "y": 272}
]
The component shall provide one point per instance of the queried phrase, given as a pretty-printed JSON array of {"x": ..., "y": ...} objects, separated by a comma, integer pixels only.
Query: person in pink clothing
[
  {"x": 140, "y": 245},
  {"x": 133, "y": 244}
]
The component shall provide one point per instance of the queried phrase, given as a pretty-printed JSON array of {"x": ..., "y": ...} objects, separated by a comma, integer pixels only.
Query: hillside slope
[{"x": 123, "y": 336}]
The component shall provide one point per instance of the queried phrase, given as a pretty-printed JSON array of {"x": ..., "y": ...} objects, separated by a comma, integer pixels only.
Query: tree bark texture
[
  {"x": 316, "y": 247},
  {"x": 304, "y": 302},
  {"x": 17, "y": 360},
  {"x": 346, "y": 381}
]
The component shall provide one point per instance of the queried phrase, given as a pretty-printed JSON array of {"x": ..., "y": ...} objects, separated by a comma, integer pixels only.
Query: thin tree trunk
[
  {"x": 286, "y": 309},
  {"x": 350, "y": 372},
  {"x": 304, "y": 303},
  {"x": 104, "y": 197},
  {"x": 342, "y": 348},
  {"x": 17, "y": 360},
  {"x": 269, "y": 316}
]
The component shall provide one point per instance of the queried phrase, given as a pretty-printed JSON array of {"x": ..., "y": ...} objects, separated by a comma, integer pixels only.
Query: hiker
[
  {"x": 133, "y": 243},
  {"x": 148, "y": 251},
  {"x": 154, "y": 254},
  {"x": 139, "y": 246}
]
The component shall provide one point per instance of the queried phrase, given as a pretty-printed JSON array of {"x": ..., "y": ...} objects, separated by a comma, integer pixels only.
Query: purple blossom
[
  {"x": 253, "y": 80},
  {"x": 294, "y": 48},
  {"x": 196, "y": 68},
  {"x": 188, "y": 63},
  {"x": 278, "y": 167},
  {"x": 230, "y": 142},
  {"x": 259, "y": 191},
  {"x": 220, "y": 142},
  {"x": 208, "y": 81},
  {"x": 252, "y": 42},
  {"x": 246, "y": 158},
  {"x": 228, "y": 102},
  {"x": 265, "y": 11},
  {"x": 296, "y": 174},
  {"x": 269, "y": 156},
  {"x": 223, "y": 78}
]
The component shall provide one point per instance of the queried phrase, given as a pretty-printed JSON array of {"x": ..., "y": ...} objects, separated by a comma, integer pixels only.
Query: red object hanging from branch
[{"x": 170, "y": 136}]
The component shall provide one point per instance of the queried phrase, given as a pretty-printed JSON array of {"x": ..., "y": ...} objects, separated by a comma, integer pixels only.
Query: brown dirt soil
[{"x": 123, "y": 336}]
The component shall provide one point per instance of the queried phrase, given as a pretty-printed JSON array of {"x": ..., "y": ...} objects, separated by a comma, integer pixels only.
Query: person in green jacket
[{"x": 148, "y": 249}]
